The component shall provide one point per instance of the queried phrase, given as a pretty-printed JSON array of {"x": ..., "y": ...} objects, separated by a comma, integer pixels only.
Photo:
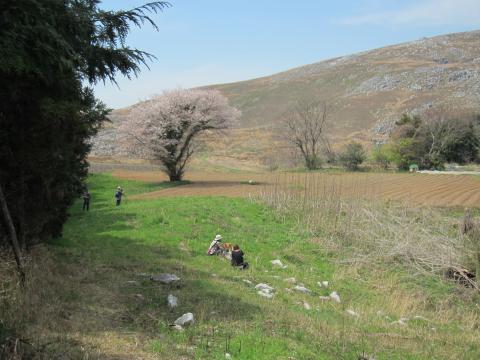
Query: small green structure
[{"x": 413, "y": 168}]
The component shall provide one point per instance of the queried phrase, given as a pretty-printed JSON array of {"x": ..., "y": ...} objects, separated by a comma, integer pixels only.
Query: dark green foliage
[
  {"x": 435, "y": 140},
  {"x": 49, "y": 51},
  {"x": 353, "y": 156}
]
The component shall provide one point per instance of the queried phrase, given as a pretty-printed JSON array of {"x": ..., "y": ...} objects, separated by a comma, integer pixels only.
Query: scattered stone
[
  {"x": 263, "y": 287},
  {"x": 302, "y": 289},
  {"x": 276, "y": 262},
  {"x": 335, "y": 297},
  {"x": 176, "y": 327},
  {"x": 228, "y": 356},
  {"x": 264, "y": 290},
  {"x": 324, "y": 298},
  {"x": 306, "y": 306},
  {"x": 132, "y": 282},
  {"x": 351, "y": 312},
  {"x": 288, "y": 290},
  {"x": 247, "y": 282},
  {"x": 276, "y": 277},
  {"x": 268, "y": 295},
  {"x": 323, "y": 284},
  {"x": 140, "y": 296},
  {"x": 172, "y": 301},
  {"x": 185, "y": 320},
  {"x": 165, "y": 278},
  {"x": 291, "y": 280},
  {"x": 419, "y": 317},
  {"x": 214, "y": 275}
]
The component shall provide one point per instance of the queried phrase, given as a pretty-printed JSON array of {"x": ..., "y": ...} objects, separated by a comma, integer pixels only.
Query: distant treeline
[{"x": 431, "y": 141}]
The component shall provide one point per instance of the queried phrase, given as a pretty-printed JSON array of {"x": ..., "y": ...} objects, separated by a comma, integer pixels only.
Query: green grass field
[{"x": 89, "y": 298}]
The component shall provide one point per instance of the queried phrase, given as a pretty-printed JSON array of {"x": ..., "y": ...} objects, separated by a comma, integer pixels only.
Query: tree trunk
[
  {"x": 12, "y": 234},
  {"x": 175, "y": 176}
]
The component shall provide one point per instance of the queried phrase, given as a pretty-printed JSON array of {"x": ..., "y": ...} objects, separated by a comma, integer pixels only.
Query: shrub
[{"x": 353, "y": 156}]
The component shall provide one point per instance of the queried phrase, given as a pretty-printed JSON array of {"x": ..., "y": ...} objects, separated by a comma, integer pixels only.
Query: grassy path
[{"x": 97, "y": 304}]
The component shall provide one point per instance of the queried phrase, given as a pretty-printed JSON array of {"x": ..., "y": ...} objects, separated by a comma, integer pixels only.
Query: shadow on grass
[{"x": 109, "y": 296}]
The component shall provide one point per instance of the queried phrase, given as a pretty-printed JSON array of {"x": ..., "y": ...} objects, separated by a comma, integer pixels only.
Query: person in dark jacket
[
  {"x": 237, "y": 258},
  {"x": 118, "y": 195},
  {"x": 86, "y": 200}
]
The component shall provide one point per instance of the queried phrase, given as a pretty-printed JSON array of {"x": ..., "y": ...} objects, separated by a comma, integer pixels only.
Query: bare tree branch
[{"x": 305, "y": 130}]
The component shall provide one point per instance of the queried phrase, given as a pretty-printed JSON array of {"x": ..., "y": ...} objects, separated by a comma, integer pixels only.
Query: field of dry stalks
[
  {"x": 413, "y": 189},
  {"x": 348, "y": 215}
]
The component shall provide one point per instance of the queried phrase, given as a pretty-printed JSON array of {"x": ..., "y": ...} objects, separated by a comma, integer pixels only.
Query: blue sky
[{"x": 204, "y": 42}]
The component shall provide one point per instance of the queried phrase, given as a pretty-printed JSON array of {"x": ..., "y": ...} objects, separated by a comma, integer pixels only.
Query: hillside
[{"x": 365, "y": 92}]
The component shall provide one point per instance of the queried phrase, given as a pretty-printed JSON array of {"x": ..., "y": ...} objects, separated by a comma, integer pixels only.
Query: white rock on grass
[
  {"x": 306, "y": 306},
  {"x": 185, "y": 320},
  {"x": 263, "y": 287},
  {"x": 351, "y": 312},
  {"x": 325, "y": 298},
  {"x": 172, "y": 301},
  {"x": 176, "y": 327},
  {"x": 335, "y": 297},
  {"x": 265, "y": 294},
  {"x": 165, "y": 278},
  {"x": 228, "y": 356},
  {"x": 276, "y": 262},
  {"x": 290, "y": 280},
  {"x": 246, "y": 281},
  {"x": 265, "y": 290},
  {"x": 302, "y": 289},
  {"x": 323, "y": 284}
]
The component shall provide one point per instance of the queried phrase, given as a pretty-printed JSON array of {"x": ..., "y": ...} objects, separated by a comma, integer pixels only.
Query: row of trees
[
  {"x": 51, "y": 51},
  {"x": 431, "y": 141}
]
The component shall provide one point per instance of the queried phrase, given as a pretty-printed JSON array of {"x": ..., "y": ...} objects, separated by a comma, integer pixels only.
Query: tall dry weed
[{"x": 363, "y": 229}]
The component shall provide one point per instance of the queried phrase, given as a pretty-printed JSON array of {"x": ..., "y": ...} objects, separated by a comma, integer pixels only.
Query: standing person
[
  {"x": 86, "y": 200},
  {"x": 118, "y": 195},
  {"x": 237, "y": 258}
]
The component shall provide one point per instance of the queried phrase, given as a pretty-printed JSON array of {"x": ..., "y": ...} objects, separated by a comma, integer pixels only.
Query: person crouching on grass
[{"x": 237, "y": 258}]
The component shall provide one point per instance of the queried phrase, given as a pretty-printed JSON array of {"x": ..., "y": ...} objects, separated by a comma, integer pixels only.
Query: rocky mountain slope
[{"x": 365, "y": 92}]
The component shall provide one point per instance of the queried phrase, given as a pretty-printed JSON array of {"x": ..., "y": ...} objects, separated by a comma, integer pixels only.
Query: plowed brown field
[{"x": 419, "y": 189}]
